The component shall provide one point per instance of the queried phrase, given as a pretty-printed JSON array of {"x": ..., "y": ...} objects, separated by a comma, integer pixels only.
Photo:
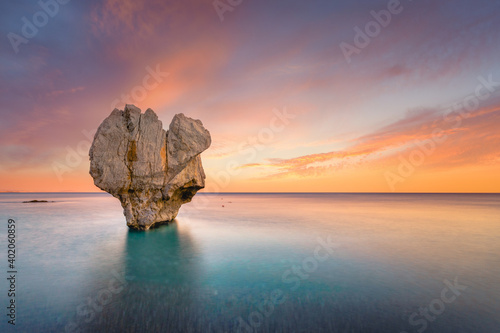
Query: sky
[{"x": 299, "y": 96}]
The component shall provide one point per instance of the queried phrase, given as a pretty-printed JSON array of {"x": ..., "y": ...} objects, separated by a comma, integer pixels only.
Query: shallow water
[{"x": 263, "y": 262}]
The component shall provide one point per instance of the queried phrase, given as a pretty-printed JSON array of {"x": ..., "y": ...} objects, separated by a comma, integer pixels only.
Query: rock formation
[{"x": 151, "y": 171}]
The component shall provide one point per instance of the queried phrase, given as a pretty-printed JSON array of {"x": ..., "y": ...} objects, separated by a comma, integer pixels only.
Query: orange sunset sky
[{"x": 295, "y": 97}]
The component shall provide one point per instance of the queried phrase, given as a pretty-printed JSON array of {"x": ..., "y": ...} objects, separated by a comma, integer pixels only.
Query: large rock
[{"x": 151, "y": 171}]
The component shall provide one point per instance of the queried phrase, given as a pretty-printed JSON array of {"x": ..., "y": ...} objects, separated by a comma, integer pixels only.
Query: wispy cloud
[{"x": 475, "y": 141}]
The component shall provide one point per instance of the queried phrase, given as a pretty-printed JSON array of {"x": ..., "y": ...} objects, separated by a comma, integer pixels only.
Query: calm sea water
[{"x": 257, "y": 262}]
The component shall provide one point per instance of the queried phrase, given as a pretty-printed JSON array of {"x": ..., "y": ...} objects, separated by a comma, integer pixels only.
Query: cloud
[{"x": 473, "y": 140}]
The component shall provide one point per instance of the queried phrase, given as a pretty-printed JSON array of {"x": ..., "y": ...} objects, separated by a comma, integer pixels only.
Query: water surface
[{"x": 259, "y": 262}]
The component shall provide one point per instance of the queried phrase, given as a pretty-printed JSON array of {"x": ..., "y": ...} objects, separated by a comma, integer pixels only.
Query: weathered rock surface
[{"x": 151, "y": 171}]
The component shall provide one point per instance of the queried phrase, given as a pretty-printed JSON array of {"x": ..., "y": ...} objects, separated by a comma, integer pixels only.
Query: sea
[{"x": 253, "y": 262}]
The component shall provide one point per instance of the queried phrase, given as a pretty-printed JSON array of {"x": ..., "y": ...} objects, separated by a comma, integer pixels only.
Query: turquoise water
[{"x": 257, "y": 262}]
